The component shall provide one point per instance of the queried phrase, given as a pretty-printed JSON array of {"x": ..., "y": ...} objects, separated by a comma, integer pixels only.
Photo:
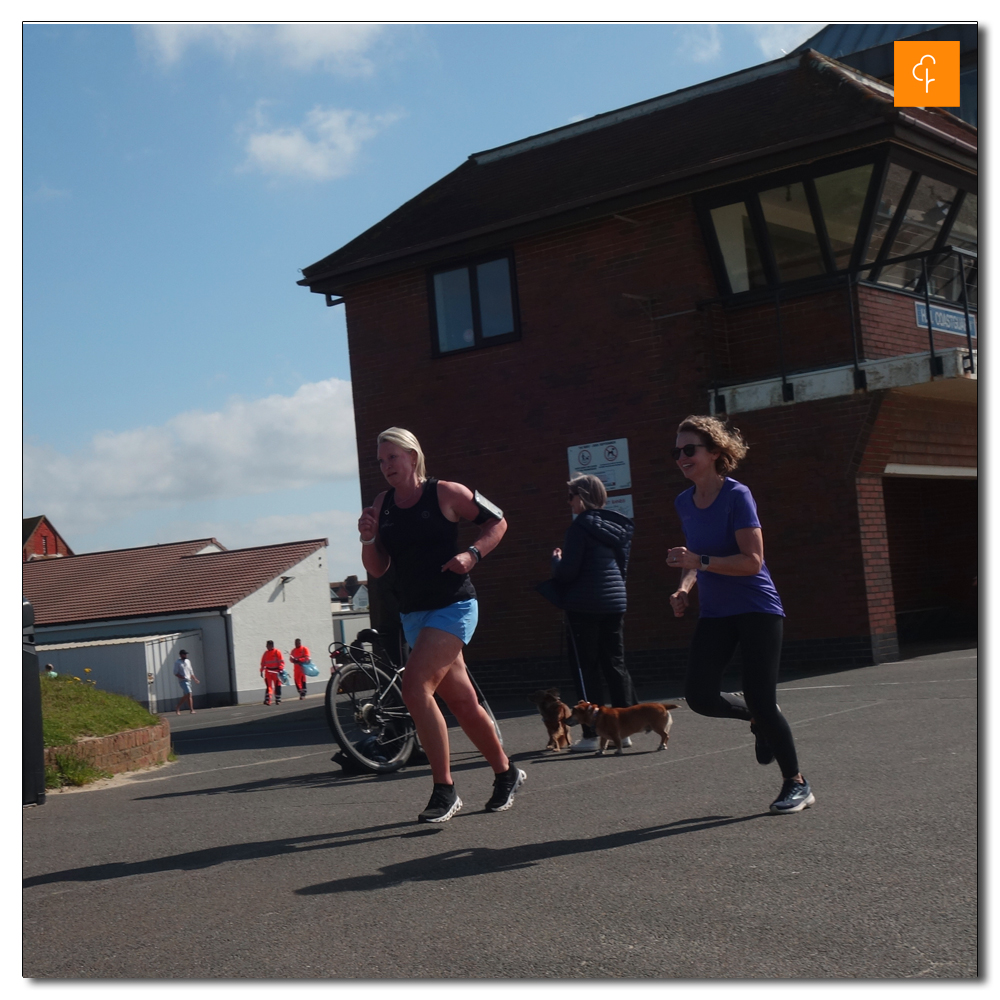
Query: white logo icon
[{"x": 926, "y": 79}]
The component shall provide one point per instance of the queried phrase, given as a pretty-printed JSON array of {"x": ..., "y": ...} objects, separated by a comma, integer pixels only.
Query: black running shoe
[
  {"x": 761, "y": 747},
  {"x": 794, "y": 797},
  {"x": 443, "y": 805},
  {"x": 504, "y": 787}
]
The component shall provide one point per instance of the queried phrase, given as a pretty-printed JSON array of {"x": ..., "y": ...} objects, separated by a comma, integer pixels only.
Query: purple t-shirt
[{"x": 712, "y": 532}]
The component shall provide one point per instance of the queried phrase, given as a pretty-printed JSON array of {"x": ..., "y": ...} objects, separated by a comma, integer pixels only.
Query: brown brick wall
[
  {"x": 593, "y": 364},
  {"x": 889, "y": 325},
  {"x": 119, "y": 752}
]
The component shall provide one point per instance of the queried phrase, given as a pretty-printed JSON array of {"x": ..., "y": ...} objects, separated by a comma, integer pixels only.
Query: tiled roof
[
  {"x": 678, "y": 139},
  {"x": 154, "y": 580},
  {"x": 838, "y": 40}
]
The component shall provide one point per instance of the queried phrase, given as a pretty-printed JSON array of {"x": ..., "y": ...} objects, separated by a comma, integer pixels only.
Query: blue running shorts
[{"x": 459, "y": 619}]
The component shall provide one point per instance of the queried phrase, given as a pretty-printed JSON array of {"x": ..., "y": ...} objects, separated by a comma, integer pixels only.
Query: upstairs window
[
  {"x": 473, "y": 305},
  {"x": 806, "y": 225}
]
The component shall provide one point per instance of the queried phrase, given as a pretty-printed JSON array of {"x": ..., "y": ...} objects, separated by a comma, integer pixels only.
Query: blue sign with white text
[{"x": 947, "y": 320}]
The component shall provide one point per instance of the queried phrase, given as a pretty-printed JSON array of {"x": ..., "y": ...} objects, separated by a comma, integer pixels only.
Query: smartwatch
[{"x": 704, "y": 561}]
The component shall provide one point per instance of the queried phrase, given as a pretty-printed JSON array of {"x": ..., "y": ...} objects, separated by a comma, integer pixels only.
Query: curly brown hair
[{"x": 717, "y": 436}]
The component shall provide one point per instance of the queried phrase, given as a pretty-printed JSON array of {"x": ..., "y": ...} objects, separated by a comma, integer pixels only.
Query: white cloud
[
  {"x": 337, "y": 48},
  {"x": 250, "y": 447},
  {"x": 45, "y": 193},
  {"x": 777, "y": 40},
  {"x": 703, "y": 44},
  {"x": 324, "y": 147}
]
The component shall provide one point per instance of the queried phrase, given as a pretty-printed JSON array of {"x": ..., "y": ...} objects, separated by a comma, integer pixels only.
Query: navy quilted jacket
[{"x": 591, "y": 573}]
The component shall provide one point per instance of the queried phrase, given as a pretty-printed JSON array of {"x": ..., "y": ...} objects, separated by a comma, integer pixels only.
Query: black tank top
[{"x": 420, "y": 540}]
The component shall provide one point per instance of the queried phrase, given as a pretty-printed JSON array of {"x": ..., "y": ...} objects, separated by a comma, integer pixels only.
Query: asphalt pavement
[{"x": 254, "y": 856}]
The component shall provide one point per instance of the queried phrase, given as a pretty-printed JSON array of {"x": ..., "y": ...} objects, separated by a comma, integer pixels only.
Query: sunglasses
[{"x": 688, "y": 449}]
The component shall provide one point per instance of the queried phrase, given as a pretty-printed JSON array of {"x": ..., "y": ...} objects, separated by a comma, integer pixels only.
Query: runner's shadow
[
  {"x": 211, "y": 856},
  {"x": 466, "y": 862}
]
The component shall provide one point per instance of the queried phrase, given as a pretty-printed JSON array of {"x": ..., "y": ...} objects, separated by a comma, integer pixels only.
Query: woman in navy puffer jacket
[{"x": 590, "y": 572}]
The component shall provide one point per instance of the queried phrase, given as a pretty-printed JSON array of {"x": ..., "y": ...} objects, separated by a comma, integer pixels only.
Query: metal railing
[{"x": 931, "y": 280}]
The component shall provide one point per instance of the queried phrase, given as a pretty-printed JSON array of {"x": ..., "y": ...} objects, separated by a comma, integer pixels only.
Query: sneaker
[
  {"x": 627, "y": 742},
  {"x": 443, "y": 805},
  {"x": 504, "y": 787},
  {"x": 794, "y": 797},
  {"x": 587, "y": 743},
  {"x": 761, "y": 747}
]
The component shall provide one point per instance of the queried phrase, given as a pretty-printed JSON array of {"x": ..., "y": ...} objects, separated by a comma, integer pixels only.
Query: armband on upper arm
[{"x": 487, "y": 510}]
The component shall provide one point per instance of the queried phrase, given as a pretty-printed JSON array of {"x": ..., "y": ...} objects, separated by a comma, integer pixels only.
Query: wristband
[
  {"x": 476, "y": 554},
  {"x": 371, "y": 541}
]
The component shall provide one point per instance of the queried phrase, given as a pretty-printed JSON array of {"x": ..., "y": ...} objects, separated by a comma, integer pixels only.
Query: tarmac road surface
[{"x": 253, "y": 856}]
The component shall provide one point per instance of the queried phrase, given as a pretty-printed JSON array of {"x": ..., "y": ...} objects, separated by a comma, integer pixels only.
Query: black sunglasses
[{"x": 688, "y": 449}]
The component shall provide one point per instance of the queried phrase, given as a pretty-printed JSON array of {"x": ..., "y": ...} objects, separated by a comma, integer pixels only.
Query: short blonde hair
[
  {"x": 728, "y": 441},
  {"x": 590, "y": 490},
  {"x": 405, "y": 439}
]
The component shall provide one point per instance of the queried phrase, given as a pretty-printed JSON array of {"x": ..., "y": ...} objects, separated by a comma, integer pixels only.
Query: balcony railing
[{"x": 946, "y": 275}]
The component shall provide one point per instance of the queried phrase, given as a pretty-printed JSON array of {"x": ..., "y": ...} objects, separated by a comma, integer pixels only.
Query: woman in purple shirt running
[{"x": 739, "y": 605}]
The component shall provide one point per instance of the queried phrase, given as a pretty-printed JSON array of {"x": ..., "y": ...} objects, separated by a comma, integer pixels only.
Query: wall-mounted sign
[
  {"x": 608, "y": 460},
  {"x": 947, "y": 320},
  {"x": 622, "y": 504}
]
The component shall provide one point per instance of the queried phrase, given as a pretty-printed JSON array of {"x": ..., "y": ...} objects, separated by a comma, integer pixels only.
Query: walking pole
[{"x": 576, "y": 658}]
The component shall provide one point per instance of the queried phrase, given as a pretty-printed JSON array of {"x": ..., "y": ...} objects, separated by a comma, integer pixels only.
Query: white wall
[
  {"x": 212, "y": 669},
  {"x": 283, "y": 612},
  {"x": 125, "y": 665}
]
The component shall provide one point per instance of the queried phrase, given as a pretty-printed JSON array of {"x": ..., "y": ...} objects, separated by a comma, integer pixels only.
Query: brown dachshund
[
  {"x": 554, "y": 714},
  {"x": 614, "y": 724}
]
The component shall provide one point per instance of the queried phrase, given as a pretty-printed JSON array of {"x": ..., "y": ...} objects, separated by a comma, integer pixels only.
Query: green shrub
[
  {"x": 73, "y": 707},
  {"x": 73, "y": 770}
]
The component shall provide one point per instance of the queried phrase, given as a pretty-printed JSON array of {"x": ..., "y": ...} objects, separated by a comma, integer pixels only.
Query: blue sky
[{"x": 177, "y": 381}]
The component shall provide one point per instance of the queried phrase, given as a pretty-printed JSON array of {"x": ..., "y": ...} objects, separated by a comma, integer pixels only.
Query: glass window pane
[
  {"x": 453, "y": 306},
  {"x": 842, "y": 199},
  {"x": 739, "y": 248},
  {"x": 944, "y": 278},
  {"x": 793, "y": 236},
  {"x": 895, "y": 183},
  {"x": 965, "y": 231},
  {"x": 496, "y": 312},
  {"x": 921, "y": 227}
]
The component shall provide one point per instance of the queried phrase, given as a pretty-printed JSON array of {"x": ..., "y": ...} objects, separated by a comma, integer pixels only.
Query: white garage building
[{"x": 126, "y": 613}]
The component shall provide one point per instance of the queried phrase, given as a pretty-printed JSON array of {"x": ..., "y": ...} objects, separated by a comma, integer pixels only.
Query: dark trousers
[
  {"x": 758, "y": 636},
  {"x": 597, "y": 659}
]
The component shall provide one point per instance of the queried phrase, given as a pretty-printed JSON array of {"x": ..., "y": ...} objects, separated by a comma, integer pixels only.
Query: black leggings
[{"x": 759, "y": 637}]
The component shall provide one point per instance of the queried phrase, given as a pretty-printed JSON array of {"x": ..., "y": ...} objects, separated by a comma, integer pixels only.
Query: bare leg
[
  {"x": 435, "y": 655},
  {"x": 460, "y": 696}
]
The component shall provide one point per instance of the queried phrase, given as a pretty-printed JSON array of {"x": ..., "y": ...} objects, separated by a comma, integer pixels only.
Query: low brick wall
[{"x": 119, "y": 752}]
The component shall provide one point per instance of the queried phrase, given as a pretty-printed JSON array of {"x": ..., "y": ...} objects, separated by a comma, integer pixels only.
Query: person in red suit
[
  {"x": 298, "y": 656},
  {"x": 271, "y": 665}
]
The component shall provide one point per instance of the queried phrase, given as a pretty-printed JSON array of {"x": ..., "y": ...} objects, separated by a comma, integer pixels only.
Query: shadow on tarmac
[
  {"x": 458, "y": 863},
  {"x": 211, "y": 856},
  {"x": 466, "y": 862}
]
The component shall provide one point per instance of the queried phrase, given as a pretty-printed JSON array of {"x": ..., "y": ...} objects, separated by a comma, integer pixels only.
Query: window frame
[
  {"x": 470, "y": 263},
  {"x": 747, "y": 191}
]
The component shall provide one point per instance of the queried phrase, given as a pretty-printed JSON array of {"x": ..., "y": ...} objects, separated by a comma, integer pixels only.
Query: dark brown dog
[
  {"x": 614, "y": 724},
  {"x": 554, "y": 714}
]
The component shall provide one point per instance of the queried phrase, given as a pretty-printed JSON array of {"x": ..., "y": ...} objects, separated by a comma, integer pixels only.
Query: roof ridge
[
  {"x": 637, "y": 110},
  {"x": 257, "y": 548},
  {"x": 156, "y": 545}
]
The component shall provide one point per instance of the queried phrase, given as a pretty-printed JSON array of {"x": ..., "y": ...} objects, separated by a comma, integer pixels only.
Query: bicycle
[{"x": 365, "y": 708}]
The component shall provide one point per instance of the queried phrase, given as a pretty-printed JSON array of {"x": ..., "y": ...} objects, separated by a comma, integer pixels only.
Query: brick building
[
  {"x": 774, "y": 245},
  {"x": 39, "y": 540}
]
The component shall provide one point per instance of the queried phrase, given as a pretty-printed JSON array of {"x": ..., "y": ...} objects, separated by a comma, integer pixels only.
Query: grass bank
[{"x": 73, "y": 707}]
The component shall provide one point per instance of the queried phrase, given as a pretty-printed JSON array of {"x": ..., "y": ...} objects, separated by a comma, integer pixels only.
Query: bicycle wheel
[{"x": 366, "y": 714}]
